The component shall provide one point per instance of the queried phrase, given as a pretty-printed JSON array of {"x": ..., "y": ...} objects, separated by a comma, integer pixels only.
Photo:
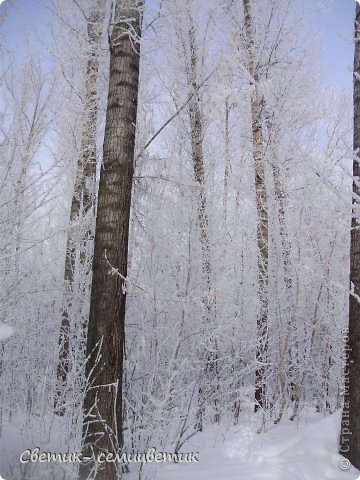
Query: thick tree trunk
[
  {"x": 105, "y": 342},
  {"x": 262, "y": 216},
  {"x": 350, "y": 425},
  {"x": 83, "y": 201}
]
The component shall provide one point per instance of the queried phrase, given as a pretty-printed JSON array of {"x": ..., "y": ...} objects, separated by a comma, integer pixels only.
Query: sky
[{"x": 336, "y": 25}]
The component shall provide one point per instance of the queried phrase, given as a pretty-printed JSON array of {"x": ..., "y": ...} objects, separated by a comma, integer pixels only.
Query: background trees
[
  {"x": 232, "y": 186},
  {"x": 79, "y": 241}
]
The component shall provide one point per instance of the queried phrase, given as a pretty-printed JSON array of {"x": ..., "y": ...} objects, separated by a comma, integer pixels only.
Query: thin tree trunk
[
  {"x": 197, "y": 136},
  {"x": 350, "y": 442},
  {"x": 227, "y": 169},
  {"x": 105, "y": 342},
  {"x": 290, "y": 307},
  {"x": 83, "y": 201},
  {"x": 262, "y": 216},
  {"x": 309, "y": 354}
]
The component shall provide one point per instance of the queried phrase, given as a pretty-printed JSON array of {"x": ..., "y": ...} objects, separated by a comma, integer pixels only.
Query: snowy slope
[{"x": 289, "y": 451}]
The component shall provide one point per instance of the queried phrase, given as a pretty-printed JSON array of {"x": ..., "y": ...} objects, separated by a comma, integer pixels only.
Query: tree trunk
[
  {"x": 105, "y": 342},
  {"x": 290, "y": 310},
  {"x": 350, "y": 424},
  {"x": 262, "y": 216},
  {"x": 83, "y": 201},
  {"x": 197, "y": 137},
  {"x": 227, "y": 169}
]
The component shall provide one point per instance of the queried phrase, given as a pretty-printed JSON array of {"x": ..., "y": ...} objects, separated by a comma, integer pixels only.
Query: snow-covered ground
[
  {"x": 301, "y": 450},
  {"x": 306, "y": 450}
]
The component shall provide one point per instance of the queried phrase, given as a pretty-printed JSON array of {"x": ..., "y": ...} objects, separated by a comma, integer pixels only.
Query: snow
[
  {"x": 6, "y": 331},
  {"x": 300, "y": 450},
  {"x": 306, "y": 450}
]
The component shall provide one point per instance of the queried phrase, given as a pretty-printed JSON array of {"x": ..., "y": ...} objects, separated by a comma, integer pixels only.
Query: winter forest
[{"x": 179, "y": 243}]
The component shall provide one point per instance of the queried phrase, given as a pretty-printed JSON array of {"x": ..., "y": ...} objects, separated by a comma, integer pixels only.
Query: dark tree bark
[
  {"x": 105, "y": 342},
  {"x": 83, "y": 201},
  {"x": 262, "y": 215},
  {"x": 350, "y": 425}
]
